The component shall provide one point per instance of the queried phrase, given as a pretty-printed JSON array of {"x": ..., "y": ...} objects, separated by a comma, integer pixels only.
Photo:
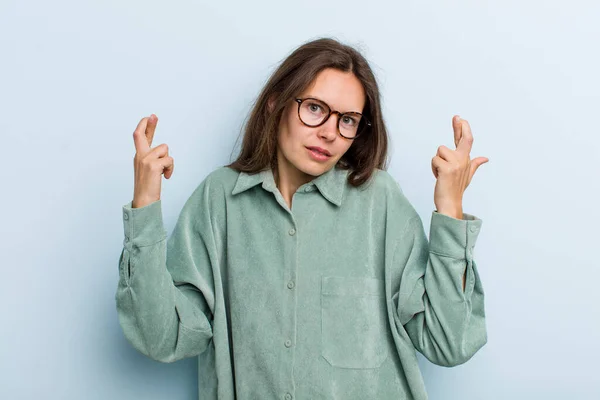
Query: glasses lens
[
  {"x": 351, "y": 124},
  {"x": 313, "y": 112}
]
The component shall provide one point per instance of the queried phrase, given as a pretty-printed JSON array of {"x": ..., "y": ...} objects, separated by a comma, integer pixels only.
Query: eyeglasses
[{"x": 314, "y": 112}]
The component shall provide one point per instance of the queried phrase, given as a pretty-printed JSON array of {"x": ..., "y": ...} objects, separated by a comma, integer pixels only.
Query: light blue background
[{"x": 77, "y": 76}]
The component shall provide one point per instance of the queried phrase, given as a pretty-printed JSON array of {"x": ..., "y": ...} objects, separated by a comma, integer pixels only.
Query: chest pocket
[{"x": 353, "y": 322}]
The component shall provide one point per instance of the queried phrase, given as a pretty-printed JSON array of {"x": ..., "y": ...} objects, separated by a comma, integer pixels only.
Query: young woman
[{"x": 301, "y": 271}]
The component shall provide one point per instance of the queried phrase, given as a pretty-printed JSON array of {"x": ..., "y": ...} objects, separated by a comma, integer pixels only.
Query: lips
[{"x": 320, "y": 150}]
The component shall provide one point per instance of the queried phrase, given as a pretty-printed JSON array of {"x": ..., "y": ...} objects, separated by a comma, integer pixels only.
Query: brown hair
[{"x": 294, "y": 75}]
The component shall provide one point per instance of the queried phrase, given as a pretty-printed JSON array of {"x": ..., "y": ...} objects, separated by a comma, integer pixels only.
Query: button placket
[
  {"x": 472, "y": 232},
  {"x": 471, "y": 237},
  {"x": 290, "y": 302},
  {"x": 126, "y": 227}
]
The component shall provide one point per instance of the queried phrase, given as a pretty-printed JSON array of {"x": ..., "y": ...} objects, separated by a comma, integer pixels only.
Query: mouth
[
  {"x": 320, "y": 151},
  {"x": 318, "y": 154}
]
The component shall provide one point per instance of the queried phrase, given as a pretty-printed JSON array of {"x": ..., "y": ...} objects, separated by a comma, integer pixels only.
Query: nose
[{"x": 328, "y": 130}]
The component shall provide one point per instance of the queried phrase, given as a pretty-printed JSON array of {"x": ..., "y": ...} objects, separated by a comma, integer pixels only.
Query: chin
[{"x": 314, "y": 169}]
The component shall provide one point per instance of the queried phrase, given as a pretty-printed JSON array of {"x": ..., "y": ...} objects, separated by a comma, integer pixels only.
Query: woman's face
[{"x": 343, "y": 92}]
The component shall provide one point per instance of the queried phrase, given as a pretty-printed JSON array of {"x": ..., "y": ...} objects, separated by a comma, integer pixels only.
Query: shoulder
[
  {"x": 222, "y": 177},
  {"x": 382, "y": 183},
  {"x": 386, "y": 191},
  {"x": 210, "y": 195},
  {"x": 219, "y": 181}
]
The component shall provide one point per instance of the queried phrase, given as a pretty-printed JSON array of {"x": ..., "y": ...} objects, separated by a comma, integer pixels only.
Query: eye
[
  {"x": 315, "y": 108},
  {"x": 349, "y": 121}
]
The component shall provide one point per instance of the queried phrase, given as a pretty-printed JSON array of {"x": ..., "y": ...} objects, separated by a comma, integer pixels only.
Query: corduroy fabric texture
[{"x": 330, "y": 299}]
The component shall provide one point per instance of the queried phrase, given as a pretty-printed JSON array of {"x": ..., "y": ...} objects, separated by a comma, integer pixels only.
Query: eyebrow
[{"x": 318, "y": 98}]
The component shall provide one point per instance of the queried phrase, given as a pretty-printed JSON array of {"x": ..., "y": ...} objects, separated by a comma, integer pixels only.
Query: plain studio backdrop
[{"x": 76, "y": 77}]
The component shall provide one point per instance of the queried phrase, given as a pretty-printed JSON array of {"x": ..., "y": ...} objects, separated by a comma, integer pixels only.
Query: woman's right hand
[{"x": 149, "y": 163}]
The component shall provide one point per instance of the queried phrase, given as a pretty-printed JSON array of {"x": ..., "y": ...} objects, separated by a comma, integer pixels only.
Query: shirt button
[
  {"x": 125, "y": 216},
  {"x": 290, "y": 285},
  {"x": 288, "y": 396},
  {"x": 307, "y": 189},
  {"x": 292, "y": 232},
  {"x": 288, "y": 343},
  {"x": 473, "y": 228}
]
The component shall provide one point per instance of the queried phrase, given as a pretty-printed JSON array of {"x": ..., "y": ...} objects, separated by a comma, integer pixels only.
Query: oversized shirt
[{"x": 327, "y": 299}]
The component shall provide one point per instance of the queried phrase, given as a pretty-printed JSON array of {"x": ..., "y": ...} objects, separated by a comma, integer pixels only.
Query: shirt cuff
[
  {"x": 454, "y": 237},
  {"x": 143, "y": 226}
]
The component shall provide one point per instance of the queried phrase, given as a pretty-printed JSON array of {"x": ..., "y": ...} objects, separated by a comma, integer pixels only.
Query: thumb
[{"x": 476, "y": 163}]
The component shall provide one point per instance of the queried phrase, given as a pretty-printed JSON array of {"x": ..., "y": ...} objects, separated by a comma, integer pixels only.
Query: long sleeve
[
  {"x": 445, "y": 323},
  {"x": 165, "y": 294}
]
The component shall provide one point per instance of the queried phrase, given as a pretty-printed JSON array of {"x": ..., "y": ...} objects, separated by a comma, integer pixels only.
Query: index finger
[
  {"x": 141, "y": 138},
  {"x": 151, "y": 127},
  {"x": 466, "y": 142},
  {"x": 456, "y": 126}
]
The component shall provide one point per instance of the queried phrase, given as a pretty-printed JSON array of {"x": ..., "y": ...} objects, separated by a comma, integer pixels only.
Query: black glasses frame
[{"x": 340, "y": 115}]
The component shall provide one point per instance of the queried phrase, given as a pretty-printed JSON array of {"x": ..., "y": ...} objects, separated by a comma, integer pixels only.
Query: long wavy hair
[{"x": 294, "y": 75}]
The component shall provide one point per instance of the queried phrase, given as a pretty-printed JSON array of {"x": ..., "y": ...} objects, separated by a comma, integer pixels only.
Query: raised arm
[
  {"x": 445, "y": 323},
  {"x": 165, "y": 295}
]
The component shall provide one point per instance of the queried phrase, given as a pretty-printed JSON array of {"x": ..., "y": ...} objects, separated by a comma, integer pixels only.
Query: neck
[{"x": 288, "y": 179}]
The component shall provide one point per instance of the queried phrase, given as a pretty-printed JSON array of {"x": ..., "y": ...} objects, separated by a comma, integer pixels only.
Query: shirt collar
[{"x": 331, "y": 183}]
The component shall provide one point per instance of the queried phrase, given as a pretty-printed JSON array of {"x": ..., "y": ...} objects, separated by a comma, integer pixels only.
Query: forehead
[{"x": 341, "y": 90}]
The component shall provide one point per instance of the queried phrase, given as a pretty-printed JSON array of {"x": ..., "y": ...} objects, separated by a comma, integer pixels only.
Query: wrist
[
  {"x": 139, "y": 203},
  {"x": 451, "y": 212}
]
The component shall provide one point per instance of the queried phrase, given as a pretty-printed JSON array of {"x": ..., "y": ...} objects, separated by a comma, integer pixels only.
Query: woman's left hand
[{"x": 454, "y": 170}]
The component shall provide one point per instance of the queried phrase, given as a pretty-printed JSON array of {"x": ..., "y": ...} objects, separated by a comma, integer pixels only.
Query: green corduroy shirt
[{"x": 328, "y": 299}]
